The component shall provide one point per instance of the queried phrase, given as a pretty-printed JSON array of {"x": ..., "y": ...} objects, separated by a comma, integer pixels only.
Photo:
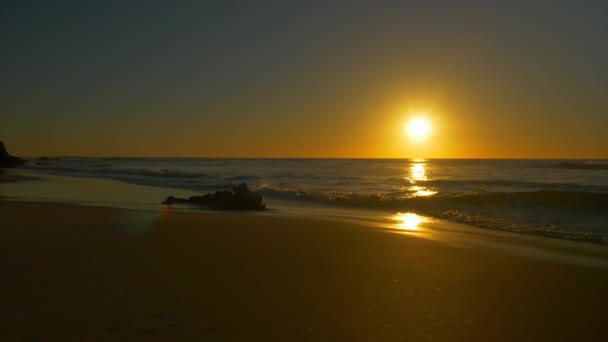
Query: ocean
[{"x": 565, "y": 199}]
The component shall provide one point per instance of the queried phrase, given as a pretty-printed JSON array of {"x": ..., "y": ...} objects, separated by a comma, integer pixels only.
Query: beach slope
[{"x": 94, "y": 273}]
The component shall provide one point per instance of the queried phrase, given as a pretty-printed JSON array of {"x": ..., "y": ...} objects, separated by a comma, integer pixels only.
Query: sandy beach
[
  {"x": 95, "y": 273},
  {"x": 12, "y": 177},
  {"x": 297, "y": 171}
]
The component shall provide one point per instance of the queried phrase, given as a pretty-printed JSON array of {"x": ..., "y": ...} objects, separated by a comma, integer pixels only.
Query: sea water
[{"x": 557, "y": 198}]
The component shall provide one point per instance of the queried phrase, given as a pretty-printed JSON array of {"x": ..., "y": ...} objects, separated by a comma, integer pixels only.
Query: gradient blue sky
[{"x": 502, "y": 79}]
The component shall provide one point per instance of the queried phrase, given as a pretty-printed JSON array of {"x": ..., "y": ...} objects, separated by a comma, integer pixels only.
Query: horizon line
[{"x": 361, "y": 158}]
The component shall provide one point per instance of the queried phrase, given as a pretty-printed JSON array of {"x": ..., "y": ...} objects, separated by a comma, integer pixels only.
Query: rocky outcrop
[
  {"x": 240, "y": 198},
  {"x": 6, "y": 160}
]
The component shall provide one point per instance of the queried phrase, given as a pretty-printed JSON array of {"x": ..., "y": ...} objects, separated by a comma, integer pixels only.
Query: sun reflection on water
[
  {"x": 417, "y": 173},
  {"x": 408, "y": 221}
]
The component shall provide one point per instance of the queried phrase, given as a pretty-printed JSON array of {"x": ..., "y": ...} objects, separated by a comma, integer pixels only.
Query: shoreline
[
  {"x": 100, "y": 273},
  {"x": 14, "y": 178},
  {"x": 445, "y": 232},
  {"x": 85, "y": 190}
]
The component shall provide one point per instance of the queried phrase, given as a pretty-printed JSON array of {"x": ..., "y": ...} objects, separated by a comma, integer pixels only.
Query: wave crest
[{"x": 590, "y": 165}]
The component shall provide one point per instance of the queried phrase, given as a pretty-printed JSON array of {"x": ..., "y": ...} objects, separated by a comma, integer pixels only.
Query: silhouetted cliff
[{"x": 6, "y": 160}]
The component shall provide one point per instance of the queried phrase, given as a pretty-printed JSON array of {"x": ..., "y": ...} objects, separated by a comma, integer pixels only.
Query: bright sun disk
[{"x": 418, "y": 128}]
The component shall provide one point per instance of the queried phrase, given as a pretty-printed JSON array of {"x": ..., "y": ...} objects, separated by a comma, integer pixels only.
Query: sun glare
[
  {"x": 408, "y": 221},
  {"x": 418, "y": 128}
]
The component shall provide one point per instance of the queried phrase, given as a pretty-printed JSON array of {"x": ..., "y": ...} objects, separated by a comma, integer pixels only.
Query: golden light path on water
[
  {"x": 417, "y": 173},
  {"x": 410, "y": 222}
]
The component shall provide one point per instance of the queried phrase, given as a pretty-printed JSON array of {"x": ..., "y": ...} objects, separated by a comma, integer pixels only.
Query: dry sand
[{"x": 93, "y": 273}]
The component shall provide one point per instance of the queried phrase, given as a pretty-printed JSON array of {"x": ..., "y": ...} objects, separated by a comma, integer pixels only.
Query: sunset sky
[{"x": 503, "y": 79}]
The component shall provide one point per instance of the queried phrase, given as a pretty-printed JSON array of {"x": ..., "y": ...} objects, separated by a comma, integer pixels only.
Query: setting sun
[{"x": 418, "y": 128}]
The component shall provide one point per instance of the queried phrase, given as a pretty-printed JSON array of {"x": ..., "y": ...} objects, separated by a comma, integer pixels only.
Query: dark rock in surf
[
  {"x": 205, "y": 199},
  {"x": 6, "y": 160},
  {"x": 172, "y": 200},
  {"x": 222, "y": 200},
  {"x": 245, "y": 199},
  {"x": 240, "y": 198}
]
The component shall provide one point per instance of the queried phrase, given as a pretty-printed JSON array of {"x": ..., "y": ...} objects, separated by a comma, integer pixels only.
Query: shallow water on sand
[
  {"x": 557, "y": 198},
  {"x": 146, "y": 199}
]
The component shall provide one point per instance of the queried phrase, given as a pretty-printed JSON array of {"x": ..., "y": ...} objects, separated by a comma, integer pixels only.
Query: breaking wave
[
  {"x": 573, "y": 215},
  {"x": 544, "y": 197}
]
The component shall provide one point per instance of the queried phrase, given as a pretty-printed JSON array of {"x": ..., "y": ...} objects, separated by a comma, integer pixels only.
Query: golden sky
[{"x": 333, "y": 80}]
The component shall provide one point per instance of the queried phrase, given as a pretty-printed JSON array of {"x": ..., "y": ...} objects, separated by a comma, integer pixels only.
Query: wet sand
[
  {"x": 11, "y": 177},
  {"x": 95, "y": 273}
]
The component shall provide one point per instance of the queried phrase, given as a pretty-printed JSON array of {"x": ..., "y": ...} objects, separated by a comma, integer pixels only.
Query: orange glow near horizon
[{"x": 452, "y": 128}]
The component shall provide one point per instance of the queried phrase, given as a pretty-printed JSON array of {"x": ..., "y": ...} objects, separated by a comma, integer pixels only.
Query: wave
[
  {"x": 102, "y": 169},
  {"x": 558, "y": 200},
  {"x": 499, "y": 184},
  {"x": 573, "y": 215},
  {"x": 155, "y": 173},
  {"x": 505, "y": 195},
  {"x": 243, "y": 177},
  {"x": 589, "y": 165}
]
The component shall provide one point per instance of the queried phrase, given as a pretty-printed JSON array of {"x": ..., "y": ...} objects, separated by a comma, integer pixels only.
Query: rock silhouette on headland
[
  {"x": 6, "y": 160},
  {"x": 240, "y": 198}
]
